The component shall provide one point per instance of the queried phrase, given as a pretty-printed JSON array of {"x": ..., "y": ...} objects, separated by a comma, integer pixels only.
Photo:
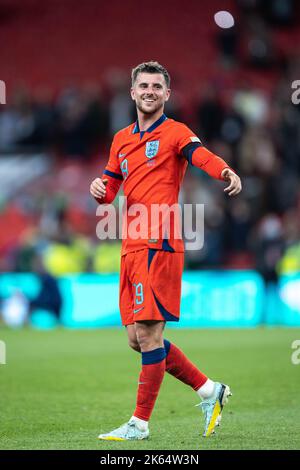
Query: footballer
[{"x": 150, "y": 157}]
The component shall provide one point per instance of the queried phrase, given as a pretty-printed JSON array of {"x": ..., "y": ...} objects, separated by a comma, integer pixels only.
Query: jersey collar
[{"x": 157, "y": 123}]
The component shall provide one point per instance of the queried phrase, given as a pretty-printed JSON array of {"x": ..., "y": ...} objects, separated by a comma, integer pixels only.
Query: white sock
[
  {"x": 207, "y": 390},
  {"x": 140, "y": 423}
]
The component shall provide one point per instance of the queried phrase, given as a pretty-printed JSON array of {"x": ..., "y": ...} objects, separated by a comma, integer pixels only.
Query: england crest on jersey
[{"x": 152, "y": 148}]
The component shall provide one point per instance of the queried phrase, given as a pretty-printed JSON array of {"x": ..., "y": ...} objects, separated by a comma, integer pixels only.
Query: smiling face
[{"x": 150, "y": 92}]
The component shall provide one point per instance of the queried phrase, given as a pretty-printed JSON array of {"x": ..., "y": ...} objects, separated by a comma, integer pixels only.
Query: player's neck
[{"x": 146, "y": 120}]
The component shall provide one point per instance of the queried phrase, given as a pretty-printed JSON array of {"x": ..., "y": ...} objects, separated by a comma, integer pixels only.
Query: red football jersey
[{"x": 151, "y": 165}]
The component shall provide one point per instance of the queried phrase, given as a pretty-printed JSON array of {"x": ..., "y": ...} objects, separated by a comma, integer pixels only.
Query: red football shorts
[{"x": 150, "y": 285}]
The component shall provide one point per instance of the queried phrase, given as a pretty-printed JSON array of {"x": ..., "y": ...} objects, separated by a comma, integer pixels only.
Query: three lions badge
[{"x": 152, "y": 148}]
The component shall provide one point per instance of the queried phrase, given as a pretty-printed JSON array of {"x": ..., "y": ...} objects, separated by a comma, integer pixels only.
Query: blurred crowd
[{"x": 256, "y": 131}]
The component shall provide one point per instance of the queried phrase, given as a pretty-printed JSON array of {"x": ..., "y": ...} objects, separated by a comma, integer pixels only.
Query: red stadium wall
[
  {"x": 59, "y": 42},
  {"x": 62, "y": 41}
]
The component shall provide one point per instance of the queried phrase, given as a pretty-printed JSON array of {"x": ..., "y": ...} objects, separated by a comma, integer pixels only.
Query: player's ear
[
  {"x": 168, "y": 93},
  {"x": 132, "y": 94}
]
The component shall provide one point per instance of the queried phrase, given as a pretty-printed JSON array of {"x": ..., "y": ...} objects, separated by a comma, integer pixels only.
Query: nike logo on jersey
[
  {"x": 137, "y": 310},
  {"x": 122, "y": 155}
]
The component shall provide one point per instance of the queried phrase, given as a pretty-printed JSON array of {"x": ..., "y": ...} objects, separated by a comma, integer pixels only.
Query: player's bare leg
[
  {"x": 213, "y": 394},
  {"x": 177, "y": 364},
  {"x": 149, "y": 335},
  {"x": 132, "y": 339}
]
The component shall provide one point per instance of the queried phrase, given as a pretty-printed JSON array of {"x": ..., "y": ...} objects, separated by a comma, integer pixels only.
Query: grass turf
[{"x": 61, "y": 388}]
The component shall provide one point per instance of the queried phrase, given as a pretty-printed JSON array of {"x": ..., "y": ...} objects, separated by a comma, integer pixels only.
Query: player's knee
[
  {"x": 134, "y": 345},
  {"x": 149, "y": 335},
  {"x": 147, "y": 343}
]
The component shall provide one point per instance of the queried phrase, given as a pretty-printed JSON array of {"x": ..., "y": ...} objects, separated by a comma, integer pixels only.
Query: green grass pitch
[{"x": 59, "y": 389}]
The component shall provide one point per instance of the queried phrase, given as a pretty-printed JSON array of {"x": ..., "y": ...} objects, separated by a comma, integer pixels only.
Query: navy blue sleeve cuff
[
  {"x": 189, "y": 149},
  {"x": 113, "y": 175}
]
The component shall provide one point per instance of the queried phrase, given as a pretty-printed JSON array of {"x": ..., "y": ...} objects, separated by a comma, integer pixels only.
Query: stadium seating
[{"x": 83, "y": 40}]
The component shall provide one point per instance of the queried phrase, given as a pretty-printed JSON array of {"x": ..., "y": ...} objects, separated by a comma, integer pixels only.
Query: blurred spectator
[
  {"x": 8, "y": 131},
  {"x": 290, "y": 262},
  {"x": 49, "y": 298},
  {"x": 209, "y": 114},
  {"x": 251, "y": 105},
  {"x": 278, "y": 12},
  {"x": 288, "y": 136},
  {"x": 257, "y": 153},
  {"x": 232, "y": 127},
  {"x": 259, "y": 47},
  {"x": 239, "y": 224},
  {"x": 173, "y": 108},
  {"x": 268, "y": 244},
  {"x": 67, "y": 256},
  {"x": 45, "y": 117},
  {"x": 275, "y": 12},
  {"x": 121, "y": 105},
  {"x": 72, "y": 123},
  {"x": 106, "y": 257},
  {"x": 97, "y": 115},
  {"x": 18, "y": 125},
  {"x": 227, "y": 41}
]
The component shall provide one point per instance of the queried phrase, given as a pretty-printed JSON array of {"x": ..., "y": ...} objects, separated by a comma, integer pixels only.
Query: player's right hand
[{"x": 98, "y": 188}]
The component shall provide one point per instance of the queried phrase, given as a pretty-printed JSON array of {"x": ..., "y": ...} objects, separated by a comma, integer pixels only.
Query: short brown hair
[{"x": 150, "y": 67}]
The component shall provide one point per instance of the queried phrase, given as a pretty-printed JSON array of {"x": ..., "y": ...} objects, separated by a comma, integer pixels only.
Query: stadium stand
[{"x": 66, "y": 97}]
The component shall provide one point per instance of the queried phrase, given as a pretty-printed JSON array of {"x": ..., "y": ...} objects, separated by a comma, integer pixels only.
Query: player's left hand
[{"x": 235, "y": 185}]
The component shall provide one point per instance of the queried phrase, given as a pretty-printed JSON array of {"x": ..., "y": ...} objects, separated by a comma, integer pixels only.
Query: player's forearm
[{"x": 209, "y": 162}]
